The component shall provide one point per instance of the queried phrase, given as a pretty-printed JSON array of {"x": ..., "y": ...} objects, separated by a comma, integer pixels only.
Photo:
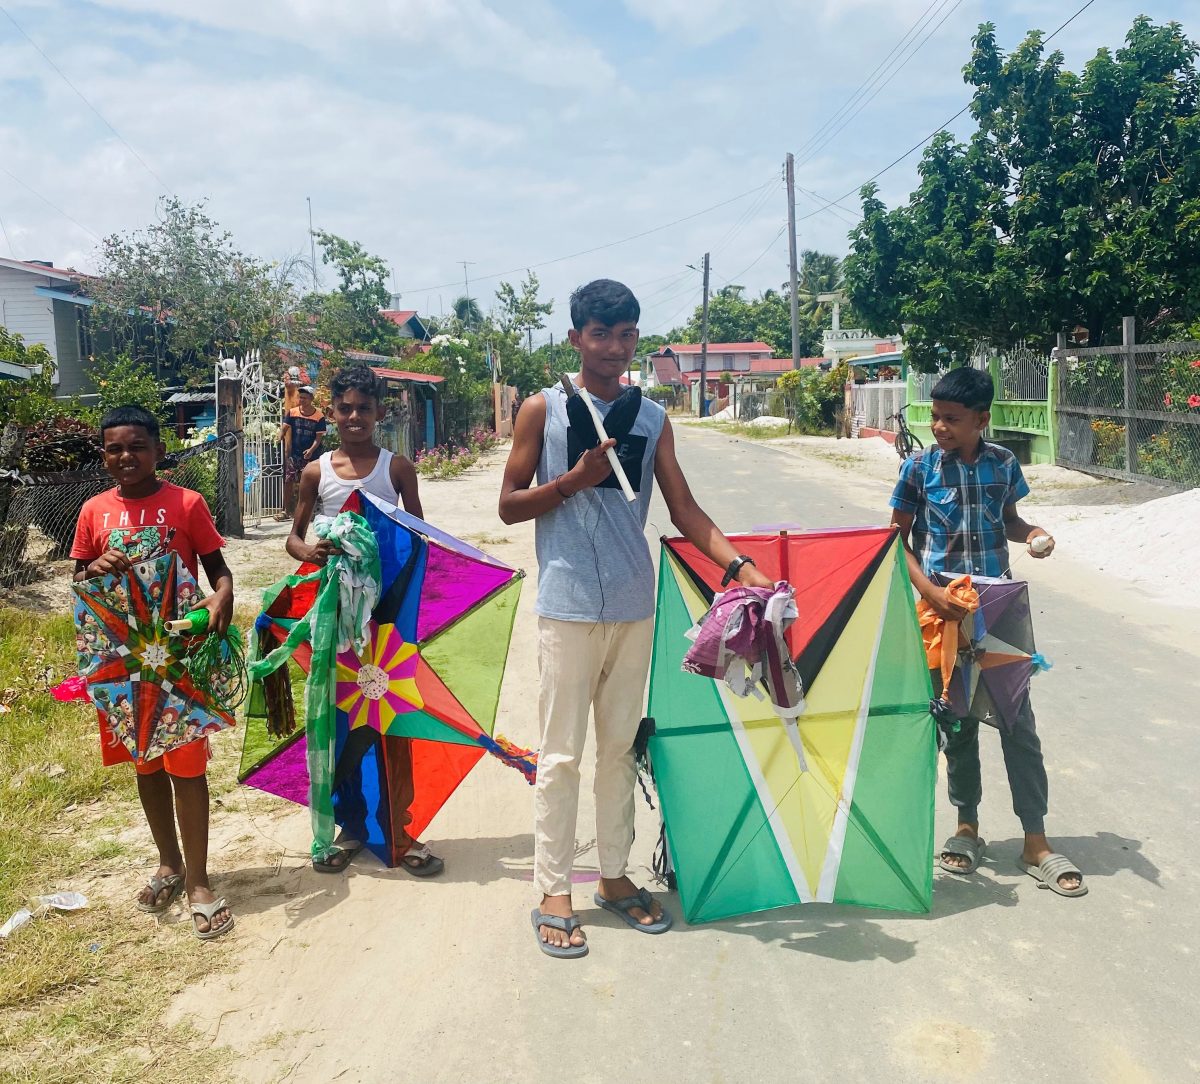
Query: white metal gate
[{"x": 262, "y": 413}]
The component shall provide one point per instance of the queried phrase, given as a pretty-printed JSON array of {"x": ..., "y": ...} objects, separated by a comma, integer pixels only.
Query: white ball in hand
[{"x": 1041, "y": 543}]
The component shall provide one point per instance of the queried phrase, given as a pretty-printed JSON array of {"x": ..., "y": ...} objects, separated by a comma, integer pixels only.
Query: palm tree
[
  {"x": 467, "y": 311},
  {"x": 820, "y": 273}
]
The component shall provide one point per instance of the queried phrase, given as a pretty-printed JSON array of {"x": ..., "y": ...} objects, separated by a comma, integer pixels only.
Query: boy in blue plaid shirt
[{"x": 956, "y": 508}]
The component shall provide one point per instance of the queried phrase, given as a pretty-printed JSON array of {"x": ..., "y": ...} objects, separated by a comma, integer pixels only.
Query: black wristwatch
[{"x": 735, "y": 566}]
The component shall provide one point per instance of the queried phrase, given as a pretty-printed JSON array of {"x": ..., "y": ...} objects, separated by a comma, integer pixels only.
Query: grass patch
[
  {"x": 80, "y": 994},
  {"x": 750, "y": 432}
]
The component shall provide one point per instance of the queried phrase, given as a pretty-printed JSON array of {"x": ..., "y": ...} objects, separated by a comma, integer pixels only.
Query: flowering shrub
[
  {"x": 1110, "y": 444},
  {"x": 1171, "y": 455},
  {"x": 1179, "y": 378},
  {"x": 449, "y": 461}
]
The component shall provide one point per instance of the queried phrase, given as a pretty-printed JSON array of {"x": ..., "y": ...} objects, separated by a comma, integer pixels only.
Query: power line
[
  {"x": 890, "y": 75},
  {"x": 862, "y": 87},
  {"x": 52, "y": 206},
  {"x": 846, "y": 214},
  {"x": 941, "y": 128},
  {"x": 100, "y": 116},
  {"x": 689, "y": 304},
  {"x": 599, "y": 248},
  {"x": 770, "y": 245},
  {"x": 747, "y": 216},
  {"x": 8, "y": 240}
]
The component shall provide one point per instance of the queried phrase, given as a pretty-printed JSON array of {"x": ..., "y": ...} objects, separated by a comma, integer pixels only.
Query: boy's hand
[
  {"x": 593, "y": 467},
  {"x": 944, "y": 606},
  {"x": 110, "y": 563},
  {"x": 749, "y": 576},
  {"x": 319, "y": 552},
  {"x": 1042, "y": 549},
  {"x": 220, "y": 611}
]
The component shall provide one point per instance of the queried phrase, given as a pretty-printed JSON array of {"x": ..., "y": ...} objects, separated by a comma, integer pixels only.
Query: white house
[{"x": 43, "y": 304}]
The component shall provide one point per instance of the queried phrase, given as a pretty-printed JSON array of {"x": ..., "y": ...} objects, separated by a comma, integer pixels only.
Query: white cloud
[{"x": 471, "y": 32}]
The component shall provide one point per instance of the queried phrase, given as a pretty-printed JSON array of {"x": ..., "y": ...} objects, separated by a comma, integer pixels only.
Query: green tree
[
  {"x": 179, "y": 293},
  {"x": 1075, "y": 202},
  {"x": 349, "y": 317},
  {"x": 30, "y": 401},
  {"x": 521, "y": 312},
  {"x": 467, "y": 312}
]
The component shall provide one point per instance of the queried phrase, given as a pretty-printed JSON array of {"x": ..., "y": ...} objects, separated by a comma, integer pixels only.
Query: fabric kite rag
[
  {"x": 742, "y": 640},
  {"x": 944, "y": 639},
  {"x": 324, "y": 627}
]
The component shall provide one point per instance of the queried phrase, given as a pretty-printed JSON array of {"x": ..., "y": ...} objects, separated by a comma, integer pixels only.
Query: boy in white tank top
[{"x": 325, "y": 486}]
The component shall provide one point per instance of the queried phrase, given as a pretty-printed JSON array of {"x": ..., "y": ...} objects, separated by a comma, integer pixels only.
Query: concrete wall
[{"x": 22, "y": 311}]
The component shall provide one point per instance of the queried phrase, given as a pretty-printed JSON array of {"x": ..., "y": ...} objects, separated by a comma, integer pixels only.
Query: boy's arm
[
  {"x": 220, "y": 603},
  {"x": 691, "y": 520},
  {"x": 310, "y": 480},
  {"x": 404, "y": 481},
  {"x": 519, "y": 502},
  {"x": 1018, "y": 530},
  {"x": 314, "y": 449},
  {"x": 934, "y": 594}
]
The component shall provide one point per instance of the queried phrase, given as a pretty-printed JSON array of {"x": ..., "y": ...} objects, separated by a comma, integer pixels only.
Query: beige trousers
[{"x": 587, "y": 666}]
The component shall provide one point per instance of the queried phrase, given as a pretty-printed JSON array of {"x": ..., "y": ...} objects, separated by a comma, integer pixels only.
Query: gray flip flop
[
  {"x": 965, "y": 847},
  {"x": 567, "y": 925},
  {"x": 1051, "y": 868},
  {"x": 642, "y": 899},
  {"x": 206, "y": 912},
  {"x": 172, "y": 882}
]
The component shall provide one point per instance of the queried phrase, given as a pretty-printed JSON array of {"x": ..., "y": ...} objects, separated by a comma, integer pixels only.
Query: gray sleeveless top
[{"x": 593, "y": 560}]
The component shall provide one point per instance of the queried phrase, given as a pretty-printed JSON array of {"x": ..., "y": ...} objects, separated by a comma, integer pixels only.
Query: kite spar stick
[{"x": 614, "y": 462}]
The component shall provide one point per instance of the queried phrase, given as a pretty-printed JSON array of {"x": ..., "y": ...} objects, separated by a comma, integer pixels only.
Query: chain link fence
[
  {"x": 38, "y": 512},
  {"x": 1132, "y": 411}
]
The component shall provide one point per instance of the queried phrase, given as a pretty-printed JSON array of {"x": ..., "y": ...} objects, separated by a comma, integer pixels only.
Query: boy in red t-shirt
[{"x": 145, "y": 517}]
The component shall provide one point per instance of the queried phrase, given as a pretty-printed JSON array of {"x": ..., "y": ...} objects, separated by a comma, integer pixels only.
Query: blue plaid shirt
[{"x": 958, "y": 508}]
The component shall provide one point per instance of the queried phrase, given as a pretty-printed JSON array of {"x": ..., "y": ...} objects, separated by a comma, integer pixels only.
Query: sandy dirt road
[{"x": 377, "y": 976}]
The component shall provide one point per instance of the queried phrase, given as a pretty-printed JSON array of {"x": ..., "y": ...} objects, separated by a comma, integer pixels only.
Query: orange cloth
[{"x": 943, "y": 638}]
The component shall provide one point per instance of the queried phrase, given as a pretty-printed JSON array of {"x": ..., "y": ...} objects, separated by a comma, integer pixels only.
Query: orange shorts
[{"x": 184, "y": 761}]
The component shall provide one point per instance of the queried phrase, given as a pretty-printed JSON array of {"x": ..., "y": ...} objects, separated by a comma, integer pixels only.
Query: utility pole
[
  {"x": 793, "y": 273},
  {"x": 467, "y": 288},
  {"x": 704, "y": 340},
  {"x": 312, "y": 243}
]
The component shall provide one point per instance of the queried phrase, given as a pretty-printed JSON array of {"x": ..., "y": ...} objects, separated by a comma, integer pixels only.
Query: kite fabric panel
[
  {"x": 751, "y": 823},
  {"x": 997, "y": 656},
  {"x": 145, "y": 697},
  {"x": 415, "y": 709}
]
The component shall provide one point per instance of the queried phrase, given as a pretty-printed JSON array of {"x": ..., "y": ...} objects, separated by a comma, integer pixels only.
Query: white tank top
[{"x": 333, "y": 490}]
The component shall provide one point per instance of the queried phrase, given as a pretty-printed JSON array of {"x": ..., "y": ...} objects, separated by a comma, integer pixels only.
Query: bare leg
[
  {"x": 191, "y": 807},
  {"x": 155, "y": 792}
]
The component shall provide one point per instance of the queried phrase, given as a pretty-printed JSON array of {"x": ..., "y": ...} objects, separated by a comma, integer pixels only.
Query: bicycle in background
[{"x": 906, "y": 441}]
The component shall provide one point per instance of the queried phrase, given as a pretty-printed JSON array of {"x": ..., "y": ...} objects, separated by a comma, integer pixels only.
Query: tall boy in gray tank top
[{"x": 595, "y": 604}]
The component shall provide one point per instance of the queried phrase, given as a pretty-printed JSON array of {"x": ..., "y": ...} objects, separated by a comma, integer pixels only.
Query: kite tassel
[
  {"x": 664, "y": 871},
  {"x": 524, "y": 760},
  {"x": 1040, "y": 663}
]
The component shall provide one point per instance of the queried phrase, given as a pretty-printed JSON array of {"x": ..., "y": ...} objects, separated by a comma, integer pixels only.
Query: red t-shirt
[{"x": 174, "y": 519}]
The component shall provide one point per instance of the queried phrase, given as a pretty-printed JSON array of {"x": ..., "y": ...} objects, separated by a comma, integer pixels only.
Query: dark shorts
[{"x": 293, "y": 465}]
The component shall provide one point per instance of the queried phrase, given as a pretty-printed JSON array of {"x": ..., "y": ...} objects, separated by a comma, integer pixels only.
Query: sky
[{"x": 579, "y": 138}]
